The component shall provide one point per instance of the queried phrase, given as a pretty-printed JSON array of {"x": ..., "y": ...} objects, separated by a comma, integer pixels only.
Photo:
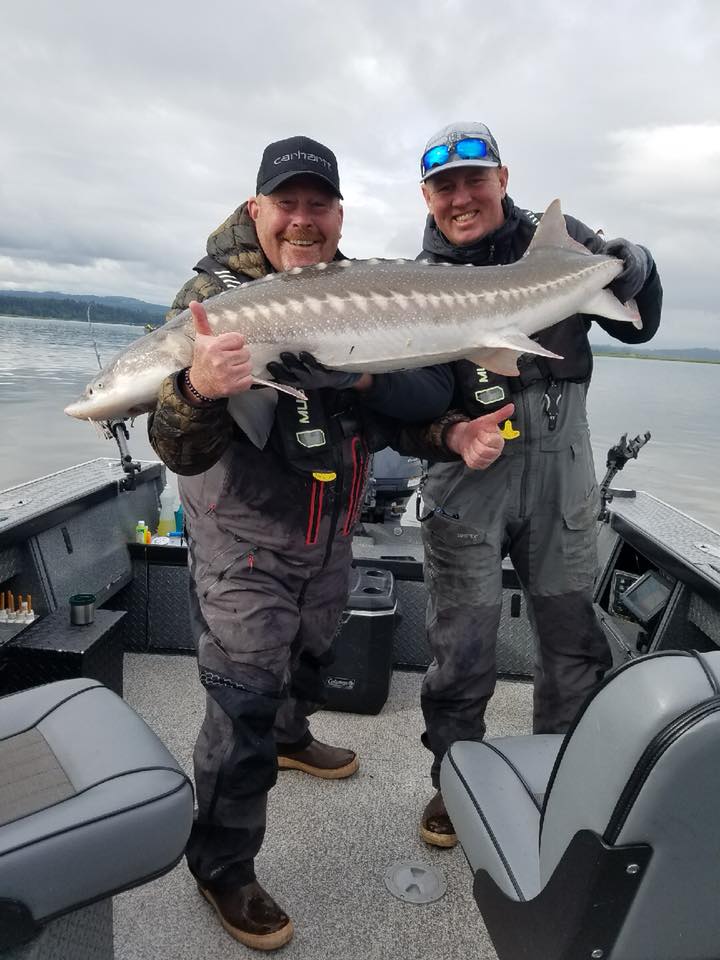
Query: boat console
[{"x": 659, "y": 583}]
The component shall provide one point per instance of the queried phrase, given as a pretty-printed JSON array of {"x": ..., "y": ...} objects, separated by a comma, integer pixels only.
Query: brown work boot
[
  {"x": 250, "y": 915},
  {"x": 319, "y": 760},
  {"x": 436, "y": 826}
]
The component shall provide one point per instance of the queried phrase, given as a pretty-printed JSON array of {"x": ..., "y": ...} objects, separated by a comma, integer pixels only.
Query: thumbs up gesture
[
  {"x": 479, "y": 442},
  {"x": 221, "y": 364}
]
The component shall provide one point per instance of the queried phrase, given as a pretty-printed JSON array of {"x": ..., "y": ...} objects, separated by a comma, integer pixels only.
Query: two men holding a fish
[
  {"x": 272, "y": 482},
  {"x": 538, "y": 502},
  {"x": 272, "y": 485}
]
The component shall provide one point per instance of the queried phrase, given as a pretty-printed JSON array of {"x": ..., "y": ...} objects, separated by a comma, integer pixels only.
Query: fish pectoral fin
[
  {"x": 501, "y": 355},
  {"x": 254, "y": 412},
  {"x": 499, "y": 361},
  {"x": 604, "y": 303},
  {"x": 281, "y": 387}
]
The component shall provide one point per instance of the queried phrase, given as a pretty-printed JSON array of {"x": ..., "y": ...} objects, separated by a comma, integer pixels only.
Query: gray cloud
[{"x": 132, "y": 131}]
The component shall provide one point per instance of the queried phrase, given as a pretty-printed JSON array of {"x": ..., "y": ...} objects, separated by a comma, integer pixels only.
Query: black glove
[
  {"x": 306, "y": 373},
  {"x": 637, "y": 266}
]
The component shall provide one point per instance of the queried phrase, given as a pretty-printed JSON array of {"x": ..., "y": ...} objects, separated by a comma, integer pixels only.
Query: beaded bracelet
[{"x": 195, "y": 393}]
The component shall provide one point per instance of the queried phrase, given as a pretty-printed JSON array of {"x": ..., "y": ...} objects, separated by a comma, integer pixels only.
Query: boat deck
[{"x": 328, "y": 843}]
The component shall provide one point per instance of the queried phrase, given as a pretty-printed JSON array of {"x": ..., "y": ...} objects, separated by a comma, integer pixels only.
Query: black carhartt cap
[{"x": 297, "y": 155}]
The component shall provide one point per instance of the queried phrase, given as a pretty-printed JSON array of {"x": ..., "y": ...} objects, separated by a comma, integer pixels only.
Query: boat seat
[
  {"x": 91, "y": 803},
  {"x": 604, "y": 843}
]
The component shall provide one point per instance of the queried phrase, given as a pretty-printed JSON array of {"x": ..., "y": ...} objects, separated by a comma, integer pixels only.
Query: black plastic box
[
  {"x": 52, "y": 649},
  {"x": 358, "y": 681}
]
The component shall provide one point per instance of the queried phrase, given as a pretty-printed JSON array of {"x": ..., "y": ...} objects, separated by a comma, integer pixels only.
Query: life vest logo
[
  {"x": 490, "y": 395},
  {"x": 482, "y": 374},
  {"x": 303, "y": 412},
  {"x": 311, "y": 438}
]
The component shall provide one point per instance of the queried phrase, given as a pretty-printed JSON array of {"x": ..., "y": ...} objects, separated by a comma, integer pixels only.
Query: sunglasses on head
[{"x": 469, "y": 148}]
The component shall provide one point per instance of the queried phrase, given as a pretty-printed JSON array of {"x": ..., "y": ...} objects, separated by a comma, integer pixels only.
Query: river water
[{"x": 46, "y": 363}]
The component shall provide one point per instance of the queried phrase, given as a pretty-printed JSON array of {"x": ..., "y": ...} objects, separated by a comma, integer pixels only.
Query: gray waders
[{"x": 538, "y": 504}]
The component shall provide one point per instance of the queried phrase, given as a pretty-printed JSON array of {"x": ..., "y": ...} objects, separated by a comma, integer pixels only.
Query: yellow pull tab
[
  {"x": 324, "y": 477},
  {"x": 509, "y": 432}
]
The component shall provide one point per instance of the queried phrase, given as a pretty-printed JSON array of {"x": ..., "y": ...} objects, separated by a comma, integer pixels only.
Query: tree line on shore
[{"x": 68, "y": 308}]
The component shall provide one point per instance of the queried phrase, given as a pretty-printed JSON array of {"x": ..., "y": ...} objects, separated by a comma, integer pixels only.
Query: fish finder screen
[{"x": 647, "y": 597}]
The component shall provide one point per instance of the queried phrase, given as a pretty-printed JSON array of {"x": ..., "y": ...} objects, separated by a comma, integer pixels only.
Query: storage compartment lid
[{"x": 371, "y": 589}]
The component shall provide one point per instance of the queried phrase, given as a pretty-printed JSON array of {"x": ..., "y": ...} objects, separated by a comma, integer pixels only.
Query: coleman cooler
[{"x": 358, "y": 680}]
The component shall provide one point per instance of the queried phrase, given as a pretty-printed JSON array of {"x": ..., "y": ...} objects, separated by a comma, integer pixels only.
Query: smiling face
[
  {"x": 299, "y": 224},
  {"x": 467, "y": 202}
]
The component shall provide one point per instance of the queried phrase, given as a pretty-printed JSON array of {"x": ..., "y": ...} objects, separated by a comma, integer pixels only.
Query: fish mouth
[{"x": 86, "y": 409}]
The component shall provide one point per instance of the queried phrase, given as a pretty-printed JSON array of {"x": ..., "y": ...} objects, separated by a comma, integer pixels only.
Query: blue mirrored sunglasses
[{"x": 470, "y": 148}]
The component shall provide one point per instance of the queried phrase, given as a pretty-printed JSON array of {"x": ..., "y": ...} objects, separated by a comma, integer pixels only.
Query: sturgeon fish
[{"x": 378, "y": 316}]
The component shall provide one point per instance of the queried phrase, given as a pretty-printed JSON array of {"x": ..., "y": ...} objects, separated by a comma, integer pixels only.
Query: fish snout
[
  {"x": 86, "y": 407},
  {"x": 78, "y": 409}
]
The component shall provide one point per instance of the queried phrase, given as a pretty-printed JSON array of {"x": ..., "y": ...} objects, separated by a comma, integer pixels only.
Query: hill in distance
[{"x": 70, "y": 306}]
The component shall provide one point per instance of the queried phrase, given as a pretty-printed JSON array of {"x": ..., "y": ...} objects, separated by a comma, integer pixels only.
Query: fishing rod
[
  {"x": 618, "y": 455},
  {"x": 116, "y": 429}
]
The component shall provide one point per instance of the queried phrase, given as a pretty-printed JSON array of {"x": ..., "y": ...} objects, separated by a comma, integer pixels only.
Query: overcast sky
[{"x": 131, "y": 130}]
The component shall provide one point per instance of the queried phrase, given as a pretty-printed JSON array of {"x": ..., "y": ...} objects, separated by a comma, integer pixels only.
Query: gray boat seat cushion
[
  {"x": 641, "y": 765},
  {"x": 494, "y": 792},
  {"x": 91, "y": 801},
  {"x": 609, "y": 740}
]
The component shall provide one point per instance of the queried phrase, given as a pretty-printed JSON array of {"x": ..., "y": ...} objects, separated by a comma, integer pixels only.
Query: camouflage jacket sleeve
[
  {"x": 199, "y": 287},
  {"x": 423, "y": 440},
  {"x": 188, "y": 440},
  {"x": 427, "y": 440}
]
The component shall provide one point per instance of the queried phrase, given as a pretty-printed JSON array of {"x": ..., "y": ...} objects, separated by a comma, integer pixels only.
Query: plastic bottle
[
  {"x": 140, "y": 532},
  {"x": 167, "y": 512}
]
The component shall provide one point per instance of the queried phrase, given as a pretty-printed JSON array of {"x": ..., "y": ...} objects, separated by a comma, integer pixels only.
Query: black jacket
[{"x": 569, "y": 338}]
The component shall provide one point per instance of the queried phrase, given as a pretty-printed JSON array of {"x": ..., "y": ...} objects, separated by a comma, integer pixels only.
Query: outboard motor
[{"x": 393, "y": 480}]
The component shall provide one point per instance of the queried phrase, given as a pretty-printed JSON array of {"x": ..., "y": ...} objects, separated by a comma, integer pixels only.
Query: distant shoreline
[
  {"x": 654, "y": 356},
  {"x": 61, "y": 306},
  {"x": 126, "y": 321}
]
